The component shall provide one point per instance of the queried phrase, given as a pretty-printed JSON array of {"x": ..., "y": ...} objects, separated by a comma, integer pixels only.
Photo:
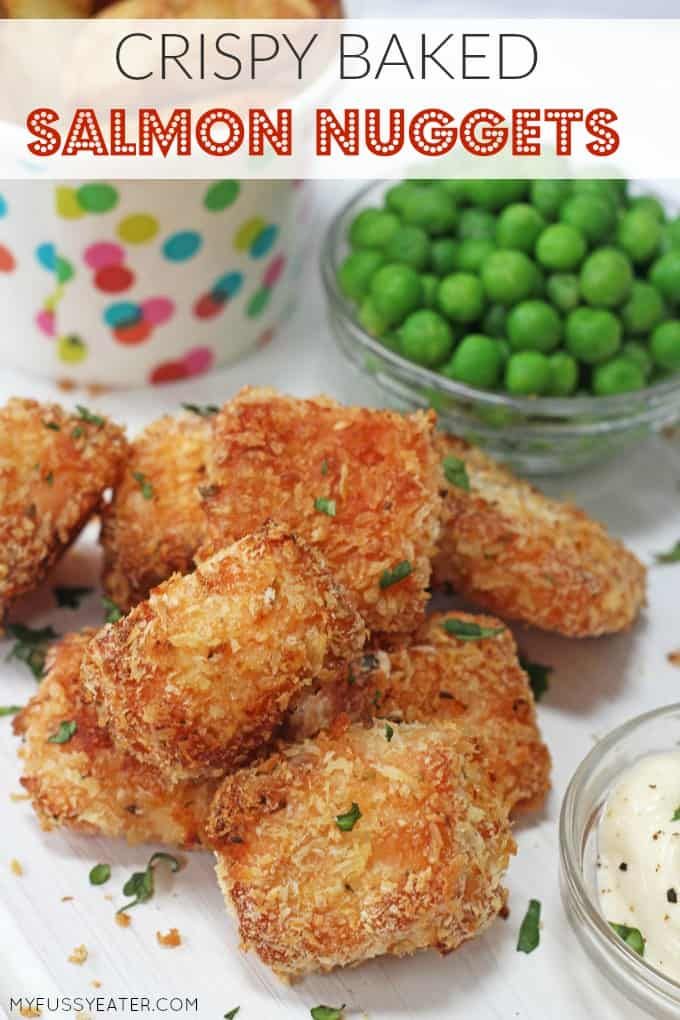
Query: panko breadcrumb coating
[
  {"x": 421, "y": 867},
  {"x": 362, "y": 486},
  {"x": 155, "y": 522},
  {"x": 89, "y": 785},
  {"x": 439, "y": 677},
  {"x": 54, "y": 469},
  {"x": 513, "y": 551},
  {"x": 196, "y": 679}
]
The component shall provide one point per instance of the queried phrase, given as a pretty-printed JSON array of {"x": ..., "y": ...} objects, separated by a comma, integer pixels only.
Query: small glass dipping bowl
[{"x": 583, "y": 802}]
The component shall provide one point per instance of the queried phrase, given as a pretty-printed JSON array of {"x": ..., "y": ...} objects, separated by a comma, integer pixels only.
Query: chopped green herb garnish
[
  {"x": 66, "y": 730},
  {"x": 100, "y": 873},
  {"x": 31, "y": 646},
  {"x": 397, "y": 573},
  {"x": 232, "y": 1013},
  {"x": 631, "y": 936},
  {"x": 377, "y": 698},
  {"x": 455, "y": 472},
  {"x": 347, "y": 821},
  {"x": 466, "y": 630},
  {"x": 54, "y": 426},
  {"x": 539, "y": 676},
  {"x": 369, "y": 662},
  {"x": 88, "y": 416},
  {"x": 6, "y": 710},
  {"x": 49, "y": 478},
  {"x": 144, "y": 484},
  {"x": 325, "y": 506},
  {"x": 389, "y": 732},
  {"x": 77, "y": 432},
  {"x": 327, "y": 1012},
  {"x": 140, "y": 884},
  {"x": 324, "y": 467},
  {"x": 113, "y": 614},
  {"x": 672, "y": 556},
  {"x": 202, "y": 410},
  {"x": 676, "y": 815},
  {"x": 70, "y": 597},
  {"x": 351, "y": 679},
  {"x": 671, "y": 896},
  {"x": 529, "y": 932}
]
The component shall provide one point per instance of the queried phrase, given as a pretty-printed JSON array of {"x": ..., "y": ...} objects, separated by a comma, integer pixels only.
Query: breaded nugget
[
  {"x": 440, "y": 677},
  {"x": 155, "y": 522},
  {"x": 86, "y": 783},
  {"x": 421, "y": 865},
  {"x": 54, "y": 469},
  {"x": 511, "y": 550},
  {"x": 195, "y": 680},
  {"x": 362, "y": 486},
  {"x": 45, "y": 9},
  {"x": 128, "y": 9}
]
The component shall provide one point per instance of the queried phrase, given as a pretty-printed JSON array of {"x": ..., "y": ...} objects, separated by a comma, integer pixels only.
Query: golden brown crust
[
  {"x": 195, "y": 680},
  {"x": 421, "y": 868},
  {"x": 146, "y": 540},
  {"x": 437, "y": 677},
  {"x": 87, "y": 784},
  {"x": 275, "y": 455},
  {"x": 246, "y": 9},
  {"x": 54, "y": 469},
  {"x": 511, "y": 550}
]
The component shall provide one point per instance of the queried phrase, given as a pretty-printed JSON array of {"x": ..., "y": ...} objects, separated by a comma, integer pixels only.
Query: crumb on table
[
  {"x": 79, "y": 955},
  {"x": 123, "y": 920},
  {"x": 171, "y": 938},
  {"x": 15, "y": 867},
  {"x": 674, "y": 657}
]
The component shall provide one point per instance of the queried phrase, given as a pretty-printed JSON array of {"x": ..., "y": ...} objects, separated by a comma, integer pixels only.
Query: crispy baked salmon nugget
[
  {"x": 358, "y": 844},
  {"x": 439, "y": 676},
  {"x": 155, "y": 522},
  {"x": 362, "y": 486},
  {"x": 194, "y": 680},
  {"x": 514, "y": 551},
  {"x": 54, "y": 469},
  {"x": 86, "y": 783}
]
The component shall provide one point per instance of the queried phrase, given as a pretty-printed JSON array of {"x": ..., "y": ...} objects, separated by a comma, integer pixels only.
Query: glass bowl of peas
[{"x": 540, "y": 319}]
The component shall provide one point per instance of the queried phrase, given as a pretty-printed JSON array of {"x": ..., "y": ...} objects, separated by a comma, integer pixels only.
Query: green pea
[
  {"x": 461, "y": 297},
  {"x": 430, "y": 208},
  {"x": 426, "y": 338},
  {"x": 373, "y": 228},
  {"x": 639, "y": 234},
  {"x": 508, "y": 276},
  {"x": 564, "y": 374},
  {"x": 444, "y": 252},
  {"x": 396, "y": 291},
  {"x": 518, "y": 227},
  {"x": 476, "y": 225},
  {"x": 561, "y": 246},
  {"x": 592, "y": 334},
  {"x": 527, "y": 373},
  {"x": 643, "y": 310},
  {"x": 495, "y": 321},
  {"x": 538, "y": 287},
  {"x": 610, "y": 191},
  {"x": 549, "y": 196},
  {"x": 564, "y": 291},
  {"x": 494, "y": 194},
  {"x": 397, "y": 196},
  {"x": 456, "y": 189},
  {"x": 471, "y": 253},
  {"x": 593, "y": 215},
  {"x": 409, "y": 245},
  {"x": 606, "y": 278},
  {"x": 620, "y": 375},
  {"x": 649, "y": 204},
  {"x": 356, "y": 272},
  {"x": 665, "y": 275},
  {"x": 430, "y": 284},
  {"x": 640, "y": 355},
  {"x": 670, "y": 237},
  {"x": 534, "y": 325},
  {"x": 477, "y": 361},
  {"x": 665, "y": 345},
  {"x": 370, "y": 318}
]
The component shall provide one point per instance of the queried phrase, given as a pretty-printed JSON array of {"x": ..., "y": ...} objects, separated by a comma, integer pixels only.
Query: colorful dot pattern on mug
[
  {"x": 107, "y": 260},
  {"x": 73, "y": 203},
  {"x": 196, "y": 361},
  {"x": 133, "y": 323},
  {"x": 182, "y": 246},
  {"x": 260, "y": 299},
  {"x": 71, "y": 349},
  {"x": 140, "y": 228},
  {"x": 221, "y": 195},
  {"x": 256, "y": 236},
  {"x": 7, "y": 260},
  {"x": 3, "y": 206},
  {"x": 222, "y": 291}
]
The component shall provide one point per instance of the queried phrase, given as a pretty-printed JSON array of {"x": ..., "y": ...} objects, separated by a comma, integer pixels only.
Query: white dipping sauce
[{"x": 639, "y": 857}]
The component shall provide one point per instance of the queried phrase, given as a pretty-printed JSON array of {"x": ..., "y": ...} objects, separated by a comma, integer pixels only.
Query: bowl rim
[
  {"x": 638, "y": 971},
  {"x": 565, "y": 408}
]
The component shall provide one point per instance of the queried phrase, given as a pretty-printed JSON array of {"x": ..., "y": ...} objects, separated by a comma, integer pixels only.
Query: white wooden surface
[{"x": 596, "y": 685}]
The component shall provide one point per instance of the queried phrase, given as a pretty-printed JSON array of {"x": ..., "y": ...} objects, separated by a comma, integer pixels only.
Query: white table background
[{"x": 596, "y": 685}]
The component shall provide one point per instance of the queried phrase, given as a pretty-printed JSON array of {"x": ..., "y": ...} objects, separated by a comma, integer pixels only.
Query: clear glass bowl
[
  {"x": 587, "y": 792},
  {"x": 537, "y": 435}
]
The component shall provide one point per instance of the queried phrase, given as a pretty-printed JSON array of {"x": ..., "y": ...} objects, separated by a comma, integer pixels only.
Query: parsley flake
[
  {"x": 324, "y": 467},
  {"x": 49, "y": 478},
  {"x": 539, "y": 676},
  {"x": 389, "y": 732},
  {"x": 140, "y": 884},
  {"x": 672, "y": 556},
  {"x": 203, "y": 411},
  {"x": 399, "y": 572},
  {"x": 144, "y": 484},
  {"x": 529, "y": 932},
  {"x": 66, "y": 730},
  {"x": 455, "y": 472},
  {"x": 6, "y": 710},
  {"x": 327, "y": 1012},
  {"x": 676, "y": 815},
  {"x": 466, "y": 630},
  {"x": 631, "y": 936},
  {"x": 70, "y": 597},
  {"x": 112, "y": 612},
  {"x": 77, "y": 432},
  {"x": 232, "y": 1013},
  {"x": 99, "y": 874},
  {"x": 671, "y": 896},
  {"x": 30, "y": 646},
  {"x": 88, "y": 416},
  {"x": 347, "y": 821},
  {"x": 54, "y": 426},
  {"x": 325, "y": 506}
]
